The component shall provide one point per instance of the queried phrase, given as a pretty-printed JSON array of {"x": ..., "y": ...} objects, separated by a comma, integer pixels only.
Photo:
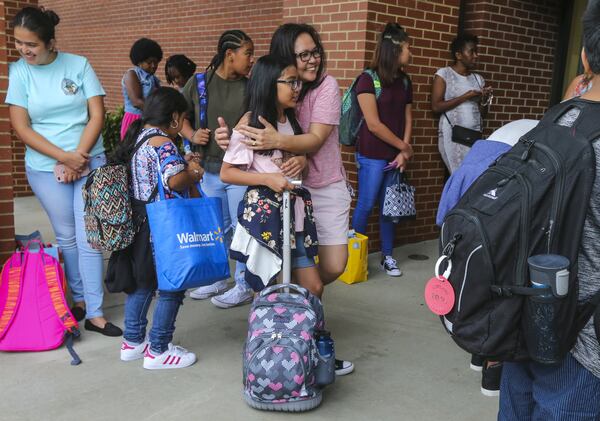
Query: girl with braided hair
[{"x": 224, "y": 84}]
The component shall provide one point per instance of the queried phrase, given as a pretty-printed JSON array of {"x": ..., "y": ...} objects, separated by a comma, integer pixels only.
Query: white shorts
[{"x": 331, "y": 206}]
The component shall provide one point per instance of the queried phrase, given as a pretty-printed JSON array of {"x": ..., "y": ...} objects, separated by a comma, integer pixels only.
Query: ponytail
[
  {"x": 159, "y": 108},
  {"x": 123, "y": 152}
]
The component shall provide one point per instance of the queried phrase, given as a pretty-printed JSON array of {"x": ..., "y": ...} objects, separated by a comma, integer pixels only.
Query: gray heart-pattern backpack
[{"x": 280, "y": 354}]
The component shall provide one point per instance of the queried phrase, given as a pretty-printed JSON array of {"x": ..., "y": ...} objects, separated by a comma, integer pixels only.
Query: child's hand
[
  {"x": 201, "y": 136},
  {"x": 195, "y": 170},
  {"x": 294, "y": 166},
  {"x": 222, "y": 134},
  {"x": 277, "y": 182}
]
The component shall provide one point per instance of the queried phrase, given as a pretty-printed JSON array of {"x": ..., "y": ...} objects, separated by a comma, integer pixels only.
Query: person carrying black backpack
[{"x": 570, "y": 389}]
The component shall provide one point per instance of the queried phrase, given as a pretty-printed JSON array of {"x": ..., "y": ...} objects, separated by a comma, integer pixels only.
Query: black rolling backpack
[{"x": 532, "y": 200}]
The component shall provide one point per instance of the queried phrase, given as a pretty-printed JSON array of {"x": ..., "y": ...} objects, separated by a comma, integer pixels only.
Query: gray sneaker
[
  {"x": 236, "y": 296},
  {"x": 390, "y": 266},
  {"x": 208, "y": 291}
]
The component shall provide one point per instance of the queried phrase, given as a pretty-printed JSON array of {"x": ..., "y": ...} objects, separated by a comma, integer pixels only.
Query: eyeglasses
[
  {"x": 294, "y": 84},
  {"x": 306, "y": 55}
]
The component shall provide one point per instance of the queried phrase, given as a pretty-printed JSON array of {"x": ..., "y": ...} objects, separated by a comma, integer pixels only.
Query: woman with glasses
[
  {"x": 384, "y": 139},
  {"x": 318, "y": 112}
]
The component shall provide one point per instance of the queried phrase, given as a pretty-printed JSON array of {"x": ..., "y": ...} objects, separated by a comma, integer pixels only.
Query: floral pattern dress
[{"x": 147, "y": 161}]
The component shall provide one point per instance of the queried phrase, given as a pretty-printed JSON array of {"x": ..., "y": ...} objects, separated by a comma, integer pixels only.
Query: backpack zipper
[
  {"x": 484, "y": 241},
  {"x": 522, "y": 258},
  {"x": 558, "y": 192},
  {"x": 521, "y": 269}
]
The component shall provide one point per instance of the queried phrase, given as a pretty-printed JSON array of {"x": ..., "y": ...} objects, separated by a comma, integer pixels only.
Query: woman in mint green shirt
[{"x": 57, "y": 109}]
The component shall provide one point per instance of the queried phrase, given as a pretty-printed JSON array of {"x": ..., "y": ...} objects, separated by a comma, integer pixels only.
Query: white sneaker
[
  {"x": 208, "y": 291},
  {"x": 390, "y": 266},
  {"x": 236, "y": 296},
  {"x": 130, "y": 352},
  {"x": 173, "y": 357}
]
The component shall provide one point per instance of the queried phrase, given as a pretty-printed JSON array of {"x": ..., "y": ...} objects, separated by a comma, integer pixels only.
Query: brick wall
[
  {"x": 349, "y": 30},
  {"x": 516, "y": 47},
  {"x": 20, "y": 185},
  {"x": 104, "y": 31},
  {"x": 7, "y": 230}
]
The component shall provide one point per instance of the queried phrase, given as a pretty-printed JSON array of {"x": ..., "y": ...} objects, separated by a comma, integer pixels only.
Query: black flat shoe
[
  {"x": 78, "y": 313},
  {"x": 108, "y": 330}
]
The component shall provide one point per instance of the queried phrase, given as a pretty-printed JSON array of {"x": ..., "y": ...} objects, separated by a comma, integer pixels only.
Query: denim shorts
[{"x": 299, "y": 258}]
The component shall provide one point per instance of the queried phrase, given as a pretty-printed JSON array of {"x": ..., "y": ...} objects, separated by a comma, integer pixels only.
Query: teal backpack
[{"x": 352, "y": 119}]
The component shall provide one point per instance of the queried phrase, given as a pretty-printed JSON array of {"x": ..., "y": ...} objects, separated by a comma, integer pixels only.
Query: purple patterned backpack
[{"x": 280, "y": 355}]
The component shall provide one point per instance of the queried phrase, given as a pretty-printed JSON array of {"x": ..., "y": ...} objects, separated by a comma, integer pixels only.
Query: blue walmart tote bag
[{"x": 188, "y": 241}]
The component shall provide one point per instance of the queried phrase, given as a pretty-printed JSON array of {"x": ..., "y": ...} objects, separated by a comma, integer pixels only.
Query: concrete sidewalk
[{"x": 407, "y": 367}]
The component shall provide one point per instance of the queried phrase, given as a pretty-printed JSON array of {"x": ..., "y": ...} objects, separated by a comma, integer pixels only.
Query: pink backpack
[{"x": 34, "y": 315}]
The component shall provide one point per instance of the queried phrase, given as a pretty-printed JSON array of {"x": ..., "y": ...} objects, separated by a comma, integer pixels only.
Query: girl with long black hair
[
  {"x": 272, "y": 94},
  {"x": 147, "y": 145}
]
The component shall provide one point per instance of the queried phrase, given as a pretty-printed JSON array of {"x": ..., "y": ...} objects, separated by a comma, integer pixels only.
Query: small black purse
[{"x": 464, "y": 136}]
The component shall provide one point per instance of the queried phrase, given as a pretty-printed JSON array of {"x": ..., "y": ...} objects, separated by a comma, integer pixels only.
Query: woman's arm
[
  {"x": 368, "y": 106},
  {"x": 407, "y": 123},
  {"x": 92, "y": 129},
  {"x": 230, "y": 174},
  {"x": 270, "y": 138},
  {"x": 134, "y": 89},
  {"x": 19, "y": 118},
  {"x": 438, "y": 89}
]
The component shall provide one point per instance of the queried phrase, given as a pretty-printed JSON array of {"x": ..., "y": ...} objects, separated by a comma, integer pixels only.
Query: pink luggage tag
[{"x": 439, "y": 294}]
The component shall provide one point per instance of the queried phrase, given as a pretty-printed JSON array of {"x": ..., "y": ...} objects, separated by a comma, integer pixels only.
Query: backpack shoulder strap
[
  {"x": 13, "y": 275},
  {"x": 376, "y": 82},
  {"x": 202, "y": 100},
  {"x": 53, "y": 275}
]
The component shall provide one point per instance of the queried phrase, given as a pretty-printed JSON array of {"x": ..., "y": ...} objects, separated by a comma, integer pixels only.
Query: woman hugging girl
[{"x": 271, "y": 94}]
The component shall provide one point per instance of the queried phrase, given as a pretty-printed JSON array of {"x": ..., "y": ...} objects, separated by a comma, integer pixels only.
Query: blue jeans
[
  {"x": 231, "y": 196},
  {"x": 371, "y": 178},
  {"x": 536, "y": 392},
  {"x": 64, "y": 205},
  {"x": 163, "y": 321}
]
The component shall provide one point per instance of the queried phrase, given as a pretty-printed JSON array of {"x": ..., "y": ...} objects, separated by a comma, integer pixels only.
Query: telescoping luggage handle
[{"x": 287, "y": 245}]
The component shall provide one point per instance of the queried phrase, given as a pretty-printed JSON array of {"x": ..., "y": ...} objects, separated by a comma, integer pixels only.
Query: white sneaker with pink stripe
[
  {"x": 173, "y": 357},
  {"x": 131, "y": 352}
]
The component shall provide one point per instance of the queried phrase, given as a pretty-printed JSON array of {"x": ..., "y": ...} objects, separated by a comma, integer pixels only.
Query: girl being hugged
[
  {"x": 149, "y": 147},
  {"x": 223, "y": 87},
  {"x": 385, "y": 136},
  {"x": 139, "y": 81},
  {"x": 318, "y": 112},
  {"x": 272, "y": 93},
  {"x": 57, "y": 109}
]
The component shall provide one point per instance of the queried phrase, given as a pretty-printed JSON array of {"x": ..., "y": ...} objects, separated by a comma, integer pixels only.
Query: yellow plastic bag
[{"x": 357, "y": 266}]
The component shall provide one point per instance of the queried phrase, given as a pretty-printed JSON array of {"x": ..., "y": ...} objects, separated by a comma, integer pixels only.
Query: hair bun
[{"x": 52, "y": 16}]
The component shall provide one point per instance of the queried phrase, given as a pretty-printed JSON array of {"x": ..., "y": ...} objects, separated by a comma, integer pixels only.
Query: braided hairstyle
[{"x": 232, "y": 39}]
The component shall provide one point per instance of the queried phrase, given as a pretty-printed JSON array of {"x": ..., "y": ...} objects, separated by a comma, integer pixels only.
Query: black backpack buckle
[{"x": 501, "y": 291}]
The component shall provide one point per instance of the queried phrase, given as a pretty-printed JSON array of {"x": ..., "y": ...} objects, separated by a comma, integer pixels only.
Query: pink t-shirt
[
  {"x": 240, "y": 155},
  {"x": 323, "y": 105}
]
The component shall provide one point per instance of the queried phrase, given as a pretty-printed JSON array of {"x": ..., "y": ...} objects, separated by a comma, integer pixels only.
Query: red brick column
[
  {"x": 7, "y": 230},
  {"x": 20, "y": 184}
]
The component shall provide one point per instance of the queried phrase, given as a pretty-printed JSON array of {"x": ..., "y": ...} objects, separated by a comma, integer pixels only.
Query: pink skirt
[{"x": 128, "y": 118}]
